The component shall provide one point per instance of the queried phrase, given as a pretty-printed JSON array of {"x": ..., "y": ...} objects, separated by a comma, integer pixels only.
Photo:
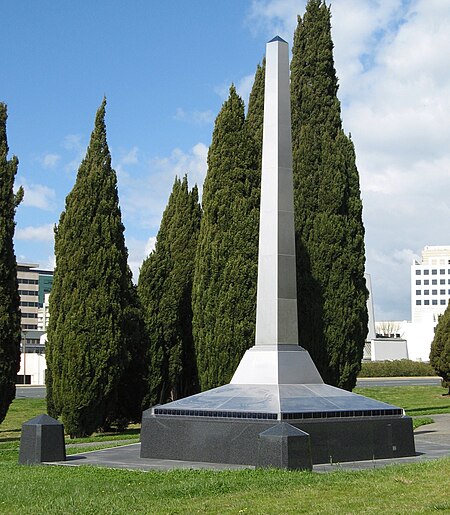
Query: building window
[
  {"x": 418, "y": 292},
  {"x": 434, "y": 281},
  {"x": 418, "y": 272},
  {"x": 434, "y": 272},
  {"x": 442, "y": 292},
  {"x": 434, "y": 302},
  {"x": 20, "y": 280},
  {"x": 418, "y": 302},
  {"x": 426, "y": 272},
  {"x": 28, "y": 292},
  {"x": 433, "y": 292},
  {"x": 442, "y": 271},
  {"x": 418, "y": 282},
  {"x": 442, "y": 281},
  {"x": 426, "y": 292},
  {"x": 426, "y": 302},
  {"x": 443, "y": 302},
  {"x": 426, "y": 281}
]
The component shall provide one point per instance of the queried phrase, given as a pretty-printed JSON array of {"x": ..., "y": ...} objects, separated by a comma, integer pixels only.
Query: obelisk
[{"x": 276, "y": 357}]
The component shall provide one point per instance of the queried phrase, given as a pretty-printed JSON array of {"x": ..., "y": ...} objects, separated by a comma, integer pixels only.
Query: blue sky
[{"x": 165, "y": 68}]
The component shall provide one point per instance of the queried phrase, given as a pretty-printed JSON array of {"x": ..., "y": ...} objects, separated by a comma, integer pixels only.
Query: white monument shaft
[
  {"x": 276, "y": 357},
  {"x": 276, "y": 313}
]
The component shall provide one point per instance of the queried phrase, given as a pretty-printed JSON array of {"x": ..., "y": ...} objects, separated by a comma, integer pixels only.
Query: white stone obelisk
[{"x": 276, "y": 357}]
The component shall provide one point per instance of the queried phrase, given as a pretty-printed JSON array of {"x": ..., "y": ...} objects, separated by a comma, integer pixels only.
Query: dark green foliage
[
  {"x": 165, "y": 289},
  {"x": 94, "y": 335},
  {"x": 396, "y": 368},
  {"x": 224, "y": 292},
  {"x": 440, "y": 349},
  {"x": 328, "y": 210},
  {"x": 9, "y": 296},
  {"x": 255, "y": 112}
]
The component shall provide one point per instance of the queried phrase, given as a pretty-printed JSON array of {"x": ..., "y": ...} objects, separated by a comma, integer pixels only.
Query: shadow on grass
[
  {"x": 431, "y": 410},
  {"x": 11, "y": 431},
  {"x": 11, "y": 439}
]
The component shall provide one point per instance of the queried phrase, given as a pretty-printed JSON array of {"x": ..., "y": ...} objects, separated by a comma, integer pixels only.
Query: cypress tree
[
  {"x": 92, "y": 303},
  {"x": 9, "y": 296},
  {"x": 440, "y": 349},
  {"x": 165, "y": 289},
  {"x": 224, "y": 290},
  {"x": 255, "y": 112},
  {"x": 332, "y": 294}
]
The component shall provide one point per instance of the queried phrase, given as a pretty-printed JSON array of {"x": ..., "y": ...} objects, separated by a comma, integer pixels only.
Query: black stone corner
[
  {"x": 284, "y": 446},
  {"x": 42, "y": 439}
]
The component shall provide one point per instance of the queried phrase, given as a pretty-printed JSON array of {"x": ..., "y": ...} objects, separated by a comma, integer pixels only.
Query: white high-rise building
[
  {"x": 430, "y": 296},
  {"x": 430, "y": 284}
]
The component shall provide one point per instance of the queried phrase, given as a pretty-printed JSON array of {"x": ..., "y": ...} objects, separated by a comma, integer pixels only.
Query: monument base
[{"x": 236, "y": 441}]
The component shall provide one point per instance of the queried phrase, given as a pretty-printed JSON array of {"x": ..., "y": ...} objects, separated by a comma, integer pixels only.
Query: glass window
[
  {"x": 434, "y": 302},
  {"x": 418, "y": 272},
  {"x": 434, "y": 272},
  {"x": 426, "y": 302},
  {"x": 434, "y": 281},
  {"x": 418, "y": 292},
  {"x": 442, "y": 292},
  {"x": 418, "y": 282},
  {"x": 443, "y": 302},
  {"x": 426, "y": 292},
  {"x": 442, "y": 281},
  {"x": 433, "y": 292},
  {"x": 426, "y": 272},
  {"x": 442, "y": 271},
  {"x": 426, "y": 281},
  {"x": 418, "y": 302}
]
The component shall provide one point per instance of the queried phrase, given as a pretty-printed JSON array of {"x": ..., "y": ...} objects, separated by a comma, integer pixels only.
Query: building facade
[
  {"x": 34, "y": 289},
  {"x": 430, "y": 284},
  {"x": 33, "y": 285}
]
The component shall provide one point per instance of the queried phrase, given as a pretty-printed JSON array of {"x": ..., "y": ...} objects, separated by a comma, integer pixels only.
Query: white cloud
[
  {"x": 194, "y": 117},
  {"x": 50, "y": 160},
  {"x": 138, "y": 250},
  {"x": 145, "y": 195},
  {"x": 150, "y": 245},
  {"x": 392, "y": 63},
  {"x": 73, "y": 142},
  {"x": 37, "y": 195},
  {"x": 130, "y": 157},
  {"x": 35, "y": 233}
]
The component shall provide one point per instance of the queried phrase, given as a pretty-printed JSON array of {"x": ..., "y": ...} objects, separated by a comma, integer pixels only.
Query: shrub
[{"x": 396, "y": 368}]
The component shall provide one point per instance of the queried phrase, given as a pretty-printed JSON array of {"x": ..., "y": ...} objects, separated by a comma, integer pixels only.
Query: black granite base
[
  {"x": 231, "y": 440},
  {"x": 42, "y": 439}
]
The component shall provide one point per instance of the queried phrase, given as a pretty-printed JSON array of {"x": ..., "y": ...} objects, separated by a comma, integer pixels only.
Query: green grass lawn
[
  {"x": 421, "y": 488},
  {"x": 416, "y": 400},
  {"x": 418, "y": 488}
]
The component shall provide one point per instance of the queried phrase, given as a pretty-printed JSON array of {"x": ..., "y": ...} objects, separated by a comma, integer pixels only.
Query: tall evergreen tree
[
  {"x": 9, "y": 296},
  {"x": 255, "y": 112},
  {"x": 332, "y": 294},
  {"x": 94, "y": 338},
  {"x": 165, "y": 289},
  {"x": 440, "y": 349},
  {"x": 224, "y": 290}
]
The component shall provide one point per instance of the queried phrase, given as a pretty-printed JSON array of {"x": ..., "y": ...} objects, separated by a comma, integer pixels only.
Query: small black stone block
[
  {"x": 42, "y": 439},
  {"x": 284, "y": 446}
]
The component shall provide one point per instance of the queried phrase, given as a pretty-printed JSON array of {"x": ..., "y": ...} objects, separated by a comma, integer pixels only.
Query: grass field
[
  {"x": 421, "y": 488},
  {"x": 416, "y": 400},
  {"x": 418, "y": 488}
]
